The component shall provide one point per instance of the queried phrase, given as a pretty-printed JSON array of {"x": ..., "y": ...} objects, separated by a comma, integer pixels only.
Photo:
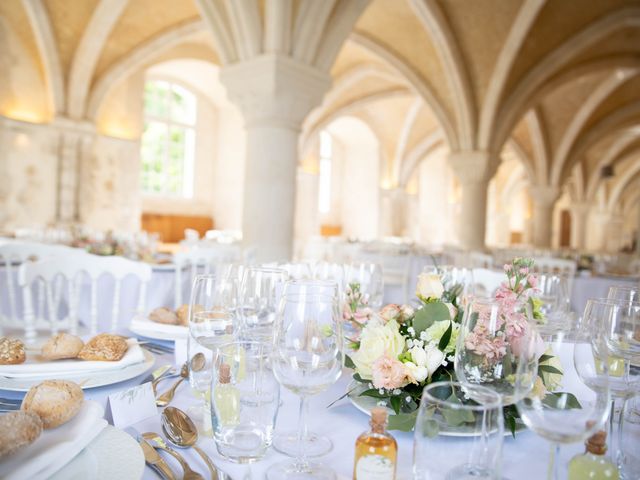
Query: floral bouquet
[{"x": 401, "y": 349}]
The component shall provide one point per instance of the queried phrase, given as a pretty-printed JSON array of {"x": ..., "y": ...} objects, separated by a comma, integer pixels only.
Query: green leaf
[
  {"x": 561, "y": 401},
  {"x": 455, "y": 416},
  {"x": 429, "y": 313},
  {"x": 373, "y": 392},
  {"x": 511, "y": 423},
  {"x": 548, "y": 369},
  {"x": 444, "y": 340},
  {"x": 358, "y": 378},
  {"x": 403, "y": 422},
  {"x": 349, "y": 363},
  {"x": 396, "y": 403},
  {"x": 544, "y": 358}
]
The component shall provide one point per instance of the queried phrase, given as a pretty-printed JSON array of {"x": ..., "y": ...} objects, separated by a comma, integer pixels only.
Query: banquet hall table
[
  {"x": 596, "y": 286},
  {"x": 524, "y": 458}
]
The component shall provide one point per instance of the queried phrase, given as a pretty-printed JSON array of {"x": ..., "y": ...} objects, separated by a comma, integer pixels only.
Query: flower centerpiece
[{"x": 398, "y": 351}]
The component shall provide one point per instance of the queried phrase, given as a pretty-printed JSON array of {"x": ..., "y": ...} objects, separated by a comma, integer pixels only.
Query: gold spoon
[
  {"x": 182, "y": 432},
  {"x": 156, "y": 441},
  {"x": 197, "y": 363}
]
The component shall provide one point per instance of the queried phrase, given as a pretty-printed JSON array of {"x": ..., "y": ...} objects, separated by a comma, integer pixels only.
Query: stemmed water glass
[
  {"x": 626, "y": 293},
  {"x": 260, "y": 294},
  {"x": 553, "y": 295},
  {"x": 554, "y": 406},
  {"x": 307, "y": 359},
  {"x": 211, "y": 323},
  {"x": 618, "y": 321},
  {"x": 369, "y": 280},
  {"x": 288, "y": 442},
  {"x": 492, "y": 336},
  {"x": 457, "y": 281}
]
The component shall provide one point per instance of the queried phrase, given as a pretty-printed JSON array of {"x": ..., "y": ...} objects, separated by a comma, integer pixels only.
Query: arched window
[
  {"x": 324, "y": 187},
  {"x": 168, "y": 140}
]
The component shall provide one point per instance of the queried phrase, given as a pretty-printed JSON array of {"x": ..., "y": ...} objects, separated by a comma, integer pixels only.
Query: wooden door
[{"x": 565, "y": 228}]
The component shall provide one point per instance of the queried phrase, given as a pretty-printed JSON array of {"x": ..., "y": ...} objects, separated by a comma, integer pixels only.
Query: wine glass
[
  {"x": 211, "y": 323},
  {"x": 553, "y": 295},
  {"x": 307, "y": 359},
  {"x": 368, "y": 279},
  {"x": 619, "y": 323},
  {"x": 492, "y": 336},
  {"x": 625, "y": 293},
  {"x": 288, "y": 442},
  {"x": 260, "y": 293},
  {"x": 548, "y": 400}
]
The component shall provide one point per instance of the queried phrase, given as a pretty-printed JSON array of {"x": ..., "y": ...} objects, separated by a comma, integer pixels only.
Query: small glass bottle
[
  {"x": 376, "y": 451},
  {"x": 593, "y": 464},
  {"x": 226, "y": 398}
]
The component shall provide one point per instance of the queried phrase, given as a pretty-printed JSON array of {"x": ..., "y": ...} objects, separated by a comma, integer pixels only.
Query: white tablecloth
[
  {"x": 585, "y": 288},
  {"x": 524, "y": 458}
]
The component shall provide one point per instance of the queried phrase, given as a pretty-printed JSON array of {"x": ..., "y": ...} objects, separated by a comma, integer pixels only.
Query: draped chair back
[{"x": 65, "y": 280}]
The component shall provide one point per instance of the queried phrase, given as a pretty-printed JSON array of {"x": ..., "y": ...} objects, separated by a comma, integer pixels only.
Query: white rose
[
  {"x": 376, "y": 340},
  {"x": 419, "y": 373},
  {"x": 407, "y": 311},
  {"x": 435, "y": 358},
  {"x": 419, "y": 356},
  {"x": 429, "y": 286}
]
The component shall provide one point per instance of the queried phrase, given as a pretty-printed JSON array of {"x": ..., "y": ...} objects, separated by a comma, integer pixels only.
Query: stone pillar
[
  {"x": 579, "y": 218},
  {"x": 274, "y": 93},
  {"x": 544, "y": 198},
  {"x": 72, "y": 147},
  {"x": 474, "y": 169}
]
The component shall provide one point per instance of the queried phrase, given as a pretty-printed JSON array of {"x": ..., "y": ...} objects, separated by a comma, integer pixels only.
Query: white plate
[
  {"x": 84, "y": 379},
  {"x": 164, "y": 332},
  {"x": 365, "y": 404},
  {"x": 113, "y": 454}
]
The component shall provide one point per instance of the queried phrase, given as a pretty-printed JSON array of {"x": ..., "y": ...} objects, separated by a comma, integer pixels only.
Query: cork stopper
[
  {"x": 597, "y": 443},
  {"x": 378, "y": 419},
  {"x": 224, "y": 375}
]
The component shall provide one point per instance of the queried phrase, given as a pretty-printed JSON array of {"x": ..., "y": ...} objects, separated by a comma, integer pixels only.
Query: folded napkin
[
  {"x": 145, "y": 327},
  {"x": 34, "y": 368},
  {"x": 56, "y": 447}
]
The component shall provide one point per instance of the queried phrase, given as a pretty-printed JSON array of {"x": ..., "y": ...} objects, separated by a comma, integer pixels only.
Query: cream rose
[
  {"x": 420, "y": 374},
  {"x": 429, "y": 286},
  {"x": 390, "y": 312},
  {"x": 376, "y": 340}
]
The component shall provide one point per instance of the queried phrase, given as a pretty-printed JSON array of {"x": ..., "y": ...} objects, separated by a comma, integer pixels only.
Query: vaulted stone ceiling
[{"x": 556, "y": 79}]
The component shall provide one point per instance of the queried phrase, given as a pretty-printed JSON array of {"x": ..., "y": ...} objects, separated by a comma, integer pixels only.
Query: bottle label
[{"x": 374, "y": 467}]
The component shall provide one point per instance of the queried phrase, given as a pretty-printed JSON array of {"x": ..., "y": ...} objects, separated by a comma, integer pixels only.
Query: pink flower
[
  {"x": 492, "y": 348},
  {"x": 532, "y": 280},
  {"x": 508, "y": 267},
  {"x": 389, "y": 373},
  {"x": 524, "y": 270},
  {"x": 390, "y": 312}
]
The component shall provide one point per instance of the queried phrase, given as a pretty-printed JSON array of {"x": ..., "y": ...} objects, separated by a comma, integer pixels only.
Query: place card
[
  {"x": 180, "y": 351},
  {"x": 132, "y": 405}
]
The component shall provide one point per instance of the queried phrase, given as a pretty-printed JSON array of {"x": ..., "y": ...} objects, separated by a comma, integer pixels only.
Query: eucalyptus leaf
[
  {"x": 455, "y": 416},
  {"x": 403, "y": 422},
  {"x": 373, "y": 392},
  {"x": 428, "y": 314},
  {"x": 561, "y": 401},
  {"x": 396, "y": 403}
]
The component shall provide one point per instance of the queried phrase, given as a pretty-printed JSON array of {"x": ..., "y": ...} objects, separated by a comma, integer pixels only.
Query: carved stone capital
[
  {"x": 544, "y": 195},
  {"x": 472, "y": 166},
  {"x": 274, "y": 89}
]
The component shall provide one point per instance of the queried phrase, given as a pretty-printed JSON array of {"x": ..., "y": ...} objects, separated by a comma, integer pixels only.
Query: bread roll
[
  {"x": 11, "y": 351},
  {"x": 164, "y": 315},
  {"x": 104, "y": 347},
  {"x": 55, "y": 401},
  {"x": 183, "y": 313},
  {"x": 19, "y": 429},
  {"x": 62, "y": 345}
]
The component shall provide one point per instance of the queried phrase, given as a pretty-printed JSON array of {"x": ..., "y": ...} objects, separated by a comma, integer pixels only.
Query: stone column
[
  {"x": 274, "y": 93},
  {"x": 474, "y": 169},
  {"x": 544, "y": 198},
  {"x": 579, "y": 217},
  {"x": 72, "y": 146}
]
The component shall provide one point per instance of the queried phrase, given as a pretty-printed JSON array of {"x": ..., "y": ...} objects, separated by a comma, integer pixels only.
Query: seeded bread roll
[
  {"x": 164, "y": 315},
  {"x": 55, "y": 401},
  {"x": 104, "y": 347},
  {"x": 19, "y": 429},
  {"x": 11, "y": 351},
  {"x": 62, "y": 345}
]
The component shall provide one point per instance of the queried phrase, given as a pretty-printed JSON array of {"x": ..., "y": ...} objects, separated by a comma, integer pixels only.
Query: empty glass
[
  {"x": 553, "y": 294},
  {"x": 369, "y": 281},
  {"x": 211, "y": 323},
  {"x": 245, "y": 398},
  {"x": 552, "y": 404},
  {"x": 449, "y": 409},
  {"x": 625, "y": 293},
  {"x": 260, "y": 294},
  {"x": 307, "y": 359},
  {"x": 492, "y": 336},
  {"x": 457, "y": 281}
]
